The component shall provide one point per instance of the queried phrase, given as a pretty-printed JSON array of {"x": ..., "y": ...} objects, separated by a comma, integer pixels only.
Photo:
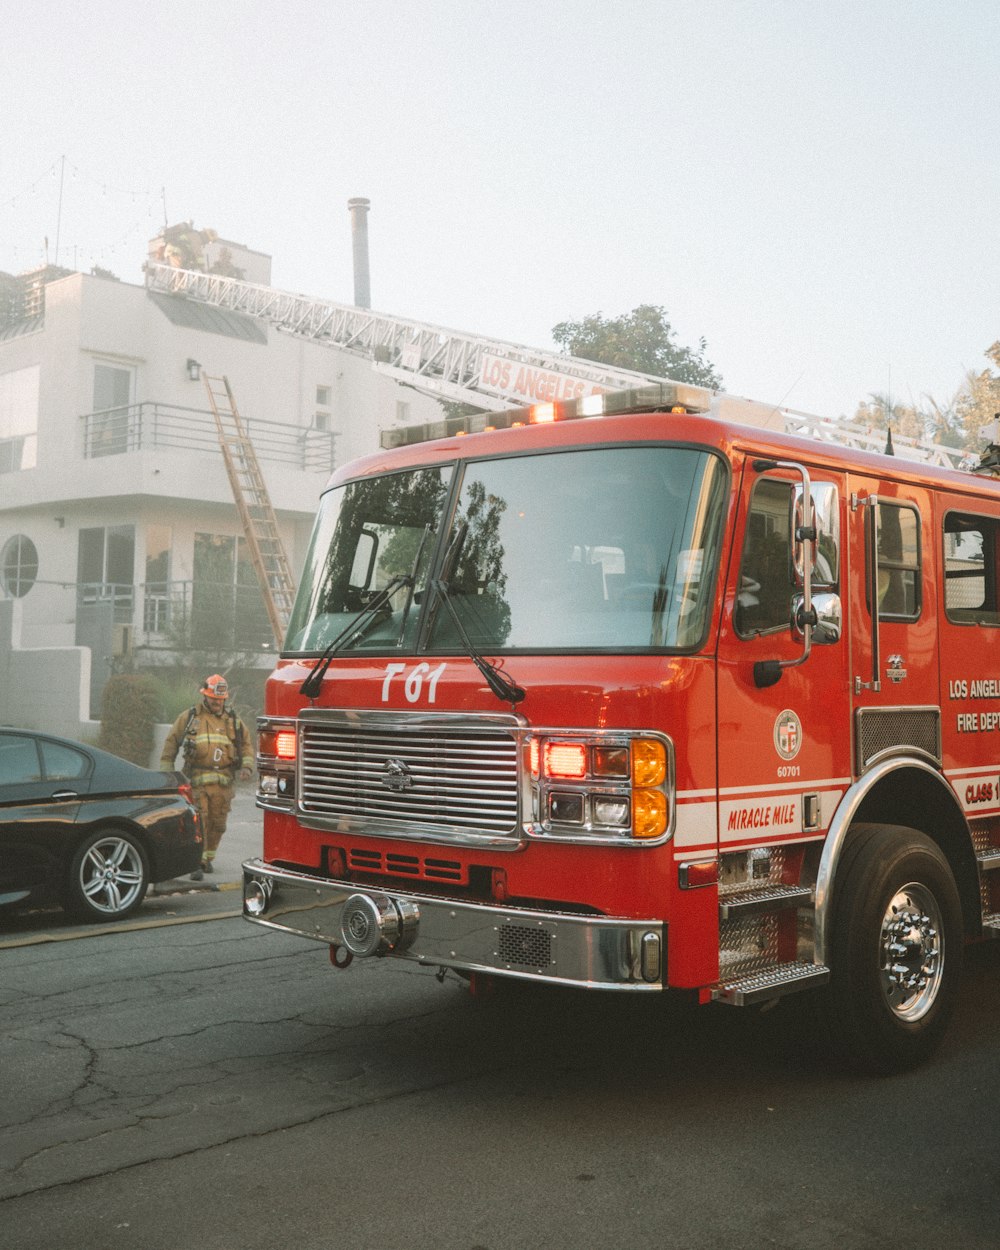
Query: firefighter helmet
[{"x": 215, "y": 687}]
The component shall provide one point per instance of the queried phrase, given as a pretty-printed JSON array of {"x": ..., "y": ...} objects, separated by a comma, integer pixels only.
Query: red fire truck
[{"x": 614, "y": 694}]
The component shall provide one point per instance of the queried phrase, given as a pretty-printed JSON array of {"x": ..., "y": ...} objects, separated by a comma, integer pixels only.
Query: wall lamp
[{"x": 194, "y": 370}]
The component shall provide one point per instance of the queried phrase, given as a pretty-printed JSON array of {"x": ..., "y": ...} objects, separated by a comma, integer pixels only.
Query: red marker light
[
  {"x": 284, "y": 744},
  {"x": 566, "y": 759}
]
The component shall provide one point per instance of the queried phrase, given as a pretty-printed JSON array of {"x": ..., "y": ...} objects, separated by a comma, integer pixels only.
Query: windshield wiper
[
  {"x": 501, "y": 685},
  {"x": 354, "y": 627},
  {"x": 313, "y": 684},
  {"x": 413, "y": 584}
]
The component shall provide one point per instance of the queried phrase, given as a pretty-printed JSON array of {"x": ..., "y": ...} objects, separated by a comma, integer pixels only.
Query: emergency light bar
[{"x": 661, "y": 396}]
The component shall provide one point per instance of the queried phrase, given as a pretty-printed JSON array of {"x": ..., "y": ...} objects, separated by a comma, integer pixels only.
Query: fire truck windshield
[{"x": 610, "y": 548}]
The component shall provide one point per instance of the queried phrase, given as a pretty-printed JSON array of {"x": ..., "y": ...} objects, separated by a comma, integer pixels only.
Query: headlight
[
  {"x": 276, "y": 752},
  {"x": 606, "y": 787}
]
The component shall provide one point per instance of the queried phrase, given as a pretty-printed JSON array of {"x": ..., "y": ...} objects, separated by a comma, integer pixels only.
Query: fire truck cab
[{"x": 615, "y": 694}]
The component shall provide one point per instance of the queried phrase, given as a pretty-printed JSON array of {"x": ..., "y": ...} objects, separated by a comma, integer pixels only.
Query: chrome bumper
[{"x": 593, "y": 951}]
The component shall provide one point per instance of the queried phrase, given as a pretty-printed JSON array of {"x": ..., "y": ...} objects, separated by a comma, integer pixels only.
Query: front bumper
[{"x": 593, "y": 951}]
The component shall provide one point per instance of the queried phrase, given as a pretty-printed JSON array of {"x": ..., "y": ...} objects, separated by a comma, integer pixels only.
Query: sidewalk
[{"x": 242, "y": 840}]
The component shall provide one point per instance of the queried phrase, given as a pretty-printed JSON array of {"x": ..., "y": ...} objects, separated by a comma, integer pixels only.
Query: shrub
[{"x": 130, "y": 707}]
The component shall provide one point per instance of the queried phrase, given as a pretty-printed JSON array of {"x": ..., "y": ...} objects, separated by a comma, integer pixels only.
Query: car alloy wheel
[{"x": 109, "y": 877}]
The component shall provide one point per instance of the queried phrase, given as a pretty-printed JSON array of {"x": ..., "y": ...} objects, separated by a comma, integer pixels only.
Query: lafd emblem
[
  {"x": 787, "y": 735},
  {"x": 396, "y": 776}
]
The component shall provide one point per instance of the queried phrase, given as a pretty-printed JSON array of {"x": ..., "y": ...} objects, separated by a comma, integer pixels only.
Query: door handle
[{"x": 65, "y": 794}]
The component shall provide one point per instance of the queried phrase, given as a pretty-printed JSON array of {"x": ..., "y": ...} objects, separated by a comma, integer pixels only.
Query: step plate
[
  {"x": 991, "y": 925},
  {"x": 782, "y": 979},
  {"x": 765, "y": 898}
]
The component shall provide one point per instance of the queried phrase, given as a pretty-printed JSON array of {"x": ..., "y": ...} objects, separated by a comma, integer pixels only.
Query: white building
[{"x": 117, "y": 519}]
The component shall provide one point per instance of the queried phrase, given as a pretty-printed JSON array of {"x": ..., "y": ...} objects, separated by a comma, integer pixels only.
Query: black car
[{"x": 86, "y": 829}]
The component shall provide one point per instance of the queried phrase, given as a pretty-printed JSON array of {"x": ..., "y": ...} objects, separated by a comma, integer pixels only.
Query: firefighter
[{"x": 216, "y": 748}]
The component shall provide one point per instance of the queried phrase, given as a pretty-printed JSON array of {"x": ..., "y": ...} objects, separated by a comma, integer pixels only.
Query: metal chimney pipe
[{"x": 358, "y": 208}]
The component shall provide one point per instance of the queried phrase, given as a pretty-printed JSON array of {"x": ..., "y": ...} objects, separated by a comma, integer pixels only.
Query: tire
[
  {"x": 895, "y": 952},
  {"x": 108, "y": 877}
]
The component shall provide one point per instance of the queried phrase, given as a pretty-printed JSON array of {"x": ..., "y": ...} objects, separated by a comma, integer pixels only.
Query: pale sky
[{"x": 812, "y": 187}]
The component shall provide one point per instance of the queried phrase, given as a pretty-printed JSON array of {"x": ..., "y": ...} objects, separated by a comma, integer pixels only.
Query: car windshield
[{"x": 599, "y": 549}]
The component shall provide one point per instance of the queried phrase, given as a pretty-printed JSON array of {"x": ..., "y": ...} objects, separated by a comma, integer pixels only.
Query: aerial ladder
[
  {"x": 475, "y": 370},
  {"x": 260, "y": 526}
]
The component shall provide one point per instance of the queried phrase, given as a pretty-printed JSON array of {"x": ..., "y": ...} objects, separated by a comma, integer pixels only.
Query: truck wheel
[{"x": 896, "y": 950}]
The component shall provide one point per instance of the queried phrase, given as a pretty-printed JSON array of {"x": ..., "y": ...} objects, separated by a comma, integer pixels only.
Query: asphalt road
[{"x": 211, "y": 1084}]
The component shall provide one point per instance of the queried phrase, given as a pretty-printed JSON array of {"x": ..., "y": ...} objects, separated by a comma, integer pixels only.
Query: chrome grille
[{"x": 372, "y": 772}]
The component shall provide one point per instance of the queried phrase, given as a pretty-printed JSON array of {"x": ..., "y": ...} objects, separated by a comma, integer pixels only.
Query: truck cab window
[
  {"x": 766, "y": 586},
  {"x": 970, "y": 569},
  {"x": 598, "y": 549},
  {"x": 368, "y": 534},
  {"x": 898, "y": 562}
]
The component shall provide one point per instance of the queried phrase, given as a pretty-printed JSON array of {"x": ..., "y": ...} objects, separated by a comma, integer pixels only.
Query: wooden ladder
[{"x": 253, "y": 503}]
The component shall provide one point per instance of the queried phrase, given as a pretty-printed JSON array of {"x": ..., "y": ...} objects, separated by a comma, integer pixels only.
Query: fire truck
[{"x": 616, "y": 693}]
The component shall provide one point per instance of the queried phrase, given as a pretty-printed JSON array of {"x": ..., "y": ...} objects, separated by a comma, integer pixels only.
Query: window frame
[
  {"x": 987, "y": 614},
  {"x": 903, "y": 505},
  {"x": 762, "y": 483},
  {"x": 19, "y": 585}
]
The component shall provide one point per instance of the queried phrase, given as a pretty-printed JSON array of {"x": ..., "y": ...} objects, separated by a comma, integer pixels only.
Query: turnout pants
[{"x": 214, "y": 801}]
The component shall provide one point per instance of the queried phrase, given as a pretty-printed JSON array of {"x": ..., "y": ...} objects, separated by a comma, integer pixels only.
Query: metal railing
[
  {"x": 141, "y": 427},
  {"x": 179, "y": 615}
]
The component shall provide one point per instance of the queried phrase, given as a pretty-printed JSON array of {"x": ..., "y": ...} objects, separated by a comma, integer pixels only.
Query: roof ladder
[{"x": 253, "y": 503}]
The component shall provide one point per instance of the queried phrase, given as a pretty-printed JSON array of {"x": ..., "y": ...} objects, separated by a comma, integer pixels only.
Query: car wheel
[
  {"x": 108, "y": 877},
  {"x": 896, "y": 951}
]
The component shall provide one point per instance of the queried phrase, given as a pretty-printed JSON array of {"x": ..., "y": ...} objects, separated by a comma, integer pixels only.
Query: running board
[
  {"x": 766, "y": 898},
  {"x": 991, "y": 925},
  {"x": 772, "y": 983},
  {"x": 989, "y": 859}
]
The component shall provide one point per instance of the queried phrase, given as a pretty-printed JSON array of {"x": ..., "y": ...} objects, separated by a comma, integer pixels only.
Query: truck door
[
  {"x": 783, "y": 753},
  {"x": 892, "y": 622}
]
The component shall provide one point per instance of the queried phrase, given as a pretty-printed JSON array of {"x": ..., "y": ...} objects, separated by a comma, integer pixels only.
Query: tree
[
  {"x": 978, "y": 402},
  {"x": 642, "y": 340},
  {"x": 953, "y": 424},
  {"x": 879, "y": 412}
]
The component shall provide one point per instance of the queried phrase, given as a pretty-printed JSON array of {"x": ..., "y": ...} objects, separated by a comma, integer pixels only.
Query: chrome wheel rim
[
  {"x": 111, "y": 875},
  {"x": 911, "y": 952}
]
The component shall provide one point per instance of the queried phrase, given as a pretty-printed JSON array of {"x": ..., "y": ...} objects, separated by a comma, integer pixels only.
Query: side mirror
[
  {"x": 363, "y": 567},
  {"x": 826, "y": 545},
  {"x": 828, "y": 618}
]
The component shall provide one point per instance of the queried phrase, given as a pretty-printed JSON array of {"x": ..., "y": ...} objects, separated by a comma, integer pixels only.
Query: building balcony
[
  {"x": 161, "y": 451},
  {"x": 147, "y": 426}
]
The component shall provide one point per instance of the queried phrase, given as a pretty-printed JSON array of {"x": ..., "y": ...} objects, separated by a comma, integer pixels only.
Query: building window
[
  {"x": 226, "y": 605},
  {"x": 321, "y": 421},
  {"x": 106, "y": 554},
  {"x": 156, "y": 609},
  {"x": 19, "y": 566},
  {"x": 19, "y": 419},
  {"x": 323, "y": 396},
  {"x": 402, "y": 411},
  {"x": 108, "y": 432},
  {"x": 105, "y": 568}
]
